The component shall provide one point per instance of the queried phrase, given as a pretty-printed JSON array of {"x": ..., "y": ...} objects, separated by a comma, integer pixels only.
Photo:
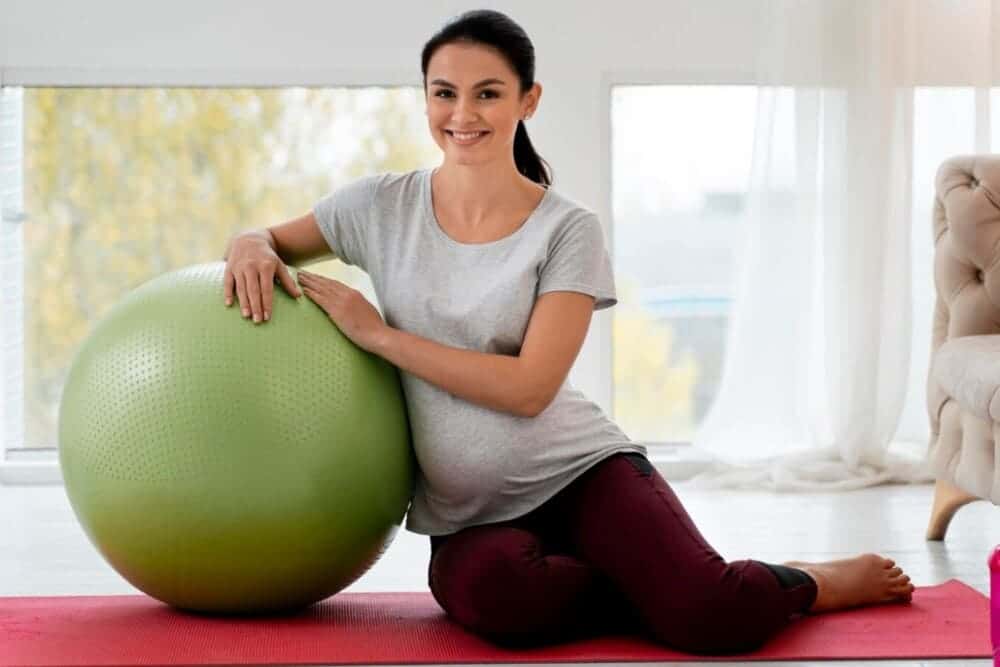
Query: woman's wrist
[{"x": 384, "y": 340}]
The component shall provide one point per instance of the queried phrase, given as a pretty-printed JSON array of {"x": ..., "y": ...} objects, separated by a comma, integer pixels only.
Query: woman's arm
[
  {"x": 523, "y": 385},
  {"x": 496, "y": 381},
  {"x": 299, "y": 240}
]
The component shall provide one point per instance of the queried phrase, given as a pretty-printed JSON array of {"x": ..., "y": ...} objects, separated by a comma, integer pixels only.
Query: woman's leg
[
  {"x": 625, "y": 520},
  {"x": 507, "y": 583},
  {"x": 616, "y": 551}
]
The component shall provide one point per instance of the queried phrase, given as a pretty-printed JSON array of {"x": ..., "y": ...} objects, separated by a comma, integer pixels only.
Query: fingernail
[
  {"x": 267, "y": 315},
  {"x": 245, "y": 312}
]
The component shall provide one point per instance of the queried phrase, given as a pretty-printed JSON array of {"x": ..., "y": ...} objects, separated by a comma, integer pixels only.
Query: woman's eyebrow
[{"x": 484, "y": 82}]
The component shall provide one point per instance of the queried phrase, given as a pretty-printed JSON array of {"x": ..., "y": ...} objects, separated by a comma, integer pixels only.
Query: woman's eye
[{"x": 492, "y": 93}]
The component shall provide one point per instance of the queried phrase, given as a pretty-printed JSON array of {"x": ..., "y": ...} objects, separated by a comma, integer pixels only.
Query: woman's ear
[{"x": 534, "y": 95}]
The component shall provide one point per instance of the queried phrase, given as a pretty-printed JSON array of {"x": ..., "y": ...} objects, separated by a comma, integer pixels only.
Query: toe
[
  {"x": 903, "y": 592},
  {"x": 895, "y": 572}
]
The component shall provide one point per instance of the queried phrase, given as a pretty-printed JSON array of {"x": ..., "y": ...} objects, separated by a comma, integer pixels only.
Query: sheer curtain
[{"x": 818, "y": 359}]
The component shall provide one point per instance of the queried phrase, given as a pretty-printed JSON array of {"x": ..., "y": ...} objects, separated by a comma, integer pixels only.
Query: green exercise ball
[{"x": 222, "y": 466}]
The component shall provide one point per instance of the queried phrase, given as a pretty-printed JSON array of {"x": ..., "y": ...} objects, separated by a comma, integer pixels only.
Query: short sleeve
[
  {"x": 578, "y": 261},
  {"x": 343, "y": 217}
]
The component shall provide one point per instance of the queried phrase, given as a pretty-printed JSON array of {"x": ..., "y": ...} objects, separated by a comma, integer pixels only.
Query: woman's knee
[{"x": 480, "y": 581}]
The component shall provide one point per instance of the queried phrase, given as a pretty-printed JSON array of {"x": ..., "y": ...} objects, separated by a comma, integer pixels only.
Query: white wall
[
  {"x": 697, "y": 35},
  {"x": 579, "y": 48}
]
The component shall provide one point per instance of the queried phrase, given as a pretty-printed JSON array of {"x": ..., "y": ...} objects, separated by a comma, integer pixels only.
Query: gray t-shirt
[{"x": 477, "y": 465}]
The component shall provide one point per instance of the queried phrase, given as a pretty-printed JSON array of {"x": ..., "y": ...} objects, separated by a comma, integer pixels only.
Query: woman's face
[{"x": 455, "y": 101}]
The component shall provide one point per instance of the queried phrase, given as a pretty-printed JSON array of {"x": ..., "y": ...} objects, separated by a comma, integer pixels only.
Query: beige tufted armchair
[{"x": 962, "y": 388}]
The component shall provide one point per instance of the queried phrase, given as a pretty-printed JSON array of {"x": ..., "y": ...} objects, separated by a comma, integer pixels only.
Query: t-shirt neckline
[{"x": 433, "y": 221}]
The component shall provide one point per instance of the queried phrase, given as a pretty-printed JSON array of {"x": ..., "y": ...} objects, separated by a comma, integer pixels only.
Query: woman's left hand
[{"x": 348, "y": 308}]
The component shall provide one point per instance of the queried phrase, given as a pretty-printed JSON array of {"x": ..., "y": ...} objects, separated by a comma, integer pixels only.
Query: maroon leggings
[{"x": 615, "y": 551}]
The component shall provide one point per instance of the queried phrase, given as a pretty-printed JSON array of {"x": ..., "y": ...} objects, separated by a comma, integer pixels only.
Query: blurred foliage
[
  {"x": 653, "y": 390},
  {"x": 124, "y": 184}
]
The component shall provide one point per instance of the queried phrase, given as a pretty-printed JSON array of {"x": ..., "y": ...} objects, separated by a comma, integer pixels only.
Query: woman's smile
[{"x": 466, "y": 139}]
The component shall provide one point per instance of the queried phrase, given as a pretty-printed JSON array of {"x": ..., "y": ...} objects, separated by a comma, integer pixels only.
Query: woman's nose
[{"x": 463, "y": 109}]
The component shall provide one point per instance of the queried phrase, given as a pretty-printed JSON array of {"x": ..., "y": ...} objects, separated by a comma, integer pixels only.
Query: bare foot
[{"x": 854, "y": 582}]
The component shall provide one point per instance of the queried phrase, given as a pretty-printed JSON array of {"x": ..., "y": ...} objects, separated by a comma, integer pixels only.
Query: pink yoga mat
[{"x": 950, "y": 620}]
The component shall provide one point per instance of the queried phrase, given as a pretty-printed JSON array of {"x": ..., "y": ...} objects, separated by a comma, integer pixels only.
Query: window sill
[{"x": 23, "y": 467}]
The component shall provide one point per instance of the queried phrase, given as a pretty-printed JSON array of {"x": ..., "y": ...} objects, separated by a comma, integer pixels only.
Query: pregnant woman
[{"x": 545, "y": 521}]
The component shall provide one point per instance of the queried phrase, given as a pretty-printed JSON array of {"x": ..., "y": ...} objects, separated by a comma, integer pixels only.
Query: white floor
[{"x": 43, "y": 551}]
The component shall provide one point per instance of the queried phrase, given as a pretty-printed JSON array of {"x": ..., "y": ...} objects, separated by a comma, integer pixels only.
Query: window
[
  {"x": 123, "y": 184},
  {"x": 103, "y": 188},
  {"x": 681, "y": 158},
  {"x": 680, "y": 171}
]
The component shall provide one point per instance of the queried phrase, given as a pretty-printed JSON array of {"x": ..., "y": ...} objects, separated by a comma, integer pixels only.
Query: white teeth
[{"x": 466, "y": 137}]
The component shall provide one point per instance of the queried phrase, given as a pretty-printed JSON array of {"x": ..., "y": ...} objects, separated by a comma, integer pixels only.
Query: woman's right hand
[{"x": 251, "y": 267}]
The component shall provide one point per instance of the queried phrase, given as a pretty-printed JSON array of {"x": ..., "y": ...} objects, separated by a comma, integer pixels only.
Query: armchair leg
[{"x": 948, "y": 498}]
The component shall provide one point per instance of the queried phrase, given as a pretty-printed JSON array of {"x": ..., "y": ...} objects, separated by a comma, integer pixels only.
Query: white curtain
[{"x": 818, "y": 359}]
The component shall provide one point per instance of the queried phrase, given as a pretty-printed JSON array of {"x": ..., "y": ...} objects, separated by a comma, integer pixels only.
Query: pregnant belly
[{"x": 457, "y": 468}]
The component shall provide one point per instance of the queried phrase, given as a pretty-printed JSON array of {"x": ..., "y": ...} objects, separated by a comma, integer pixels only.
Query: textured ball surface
[{"x": 224, "y": 466}]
